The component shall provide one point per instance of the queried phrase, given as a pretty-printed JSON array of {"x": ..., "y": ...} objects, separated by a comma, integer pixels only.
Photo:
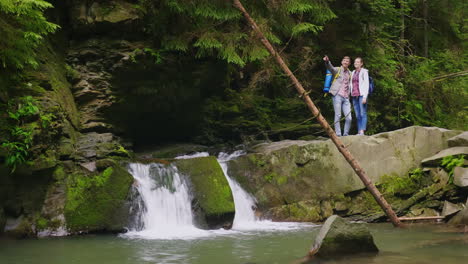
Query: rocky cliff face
[{"x": 77, "y": 156}]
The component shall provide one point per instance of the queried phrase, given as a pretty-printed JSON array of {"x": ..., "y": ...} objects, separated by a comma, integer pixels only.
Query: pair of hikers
[{"x": 346, "y": 85}]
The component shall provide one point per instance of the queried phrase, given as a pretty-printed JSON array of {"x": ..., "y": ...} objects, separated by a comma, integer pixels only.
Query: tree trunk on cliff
[
  {"x": 315, "y": 111},
  {"x": 426, "y": 28}
]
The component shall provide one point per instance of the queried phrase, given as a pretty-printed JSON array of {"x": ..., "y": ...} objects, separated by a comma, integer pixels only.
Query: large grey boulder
[
  {"x": 460, "y": 177},
  {"x": 288, "y": 172},
  {"x": 437, "y": 158},
  {"x": 459, "y": 140},
  {"x": 339, "y": 237}
]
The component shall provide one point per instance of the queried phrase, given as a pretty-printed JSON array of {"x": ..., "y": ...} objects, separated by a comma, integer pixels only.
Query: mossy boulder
[
  {"x": 339, "y": 237},
  {"x": 97, "y": 202},
  {"x": 287, "y": 172},
  {"x": 211, "y": 191}
]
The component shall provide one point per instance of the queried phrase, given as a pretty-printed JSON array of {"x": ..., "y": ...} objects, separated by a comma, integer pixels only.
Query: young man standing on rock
[{"x": 341, "y": 92}]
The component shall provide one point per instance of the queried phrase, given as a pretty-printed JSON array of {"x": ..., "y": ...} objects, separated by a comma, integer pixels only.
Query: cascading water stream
[
  {"x": 162, "y": 206},
  {"x": 164, "y": 210},
  {"x": 244, "y": 202}
]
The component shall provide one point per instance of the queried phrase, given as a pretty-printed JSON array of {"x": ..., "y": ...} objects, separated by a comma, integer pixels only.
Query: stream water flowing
[
  {"x": 417, "y": 244},
  {"x": 163, "y": 207},
  {"x": 163, "y": 232},
  {"x": 162, "y": 204}
]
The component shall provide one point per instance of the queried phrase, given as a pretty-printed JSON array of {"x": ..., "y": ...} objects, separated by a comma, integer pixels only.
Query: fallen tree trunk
[
  {"x": 421, "y": 218},
  {"x": 315, "y": 111}
]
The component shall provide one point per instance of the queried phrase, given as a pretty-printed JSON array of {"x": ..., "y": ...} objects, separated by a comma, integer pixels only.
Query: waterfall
[
  {"x": 162, "y": 203},
  {"x": 244, "y": 202},
  {"x": 164, "y": 207}
]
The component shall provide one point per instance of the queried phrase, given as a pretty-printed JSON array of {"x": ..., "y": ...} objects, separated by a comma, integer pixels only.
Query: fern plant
[
  {"x": 450, "y": 162},
  {"x": 214, "y": 28},
  {"x": 22, "y": 27},
  {"x": 20, "y": 137}
]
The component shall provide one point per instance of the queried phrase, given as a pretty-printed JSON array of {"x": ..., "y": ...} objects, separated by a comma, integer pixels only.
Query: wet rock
[
  {"x": 451, "y": 208},
  {"x": 435, "y": 160},
  {"x": 339, "y": 237},
  {"x": 98, "y": 145},
  {"x": 52, "y": 221},
  {"x": 20, "y": 227},
  {"x": 459, "y": 141},
  {"x": 461, "y": 218},
  {"x": 90, "y": 166},
  {"x": 460, "y": 177}
]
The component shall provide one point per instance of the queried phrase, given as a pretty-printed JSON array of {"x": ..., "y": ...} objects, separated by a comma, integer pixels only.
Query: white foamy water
[
  {"x": 166, "y": 211},
  {"x": 245, "y": 203},
  {"x": 163, "y": 208},
  {"x": 194, "y": 155}
]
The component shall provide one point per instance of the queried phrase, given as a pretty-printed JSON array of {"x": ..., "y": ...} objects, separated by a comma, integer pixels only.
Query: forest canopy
[{"x": 415, "y": 51}]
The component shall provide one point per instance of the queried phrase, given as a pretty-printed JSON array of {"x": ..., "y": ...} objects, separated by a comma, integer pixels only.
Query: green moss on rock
[
  {"x": 41, "y": 223},
  {"x": 97, "y": 202},
  {"x": 304, "y": 211},
  {"x": 210, "y": 185}
]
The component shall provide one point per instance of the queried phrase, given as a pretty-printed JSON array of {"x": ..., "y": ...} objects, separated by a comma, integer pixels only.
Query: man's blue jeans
[
  {"x": 361, "y": 112},
  {"x": 342, "y": 104}
]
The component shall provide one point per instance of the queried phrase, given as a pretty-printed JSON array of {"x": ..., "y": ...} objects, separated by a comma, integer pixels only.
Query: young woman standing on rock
[{"x": 359, "y": 92}]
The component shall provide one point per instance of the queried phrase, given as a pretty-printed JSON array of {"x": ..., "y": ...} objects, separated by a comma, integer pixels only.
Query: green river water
[{"x": 417, "y": 244}]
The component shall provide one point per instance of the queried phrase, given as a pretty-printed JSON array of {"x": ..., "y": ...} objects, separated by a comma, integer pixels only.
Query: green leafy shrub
[
  {"x": 450, "y": 162},
  {"x": 20, "y": 136}
]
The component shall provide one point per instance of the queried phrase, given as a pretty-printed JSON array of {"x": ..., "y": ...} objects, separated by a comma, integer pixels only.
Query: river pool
[{"x": 416, "y": 244}]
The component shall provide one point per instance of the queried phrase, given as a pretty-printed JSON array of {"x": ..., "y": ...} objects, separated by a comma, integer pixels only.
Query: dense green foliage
[
  {"x": 19, "y": 136},
  {"x": 232, "y": 88},
  {"x": 23, "y": 27},
  {"x": 390, "y": 35}
]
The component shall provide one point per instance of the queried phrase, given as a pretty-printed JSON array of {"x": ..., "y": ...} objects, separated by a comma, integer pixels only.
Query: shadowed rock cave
[{"x": 159, "y": 103}]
